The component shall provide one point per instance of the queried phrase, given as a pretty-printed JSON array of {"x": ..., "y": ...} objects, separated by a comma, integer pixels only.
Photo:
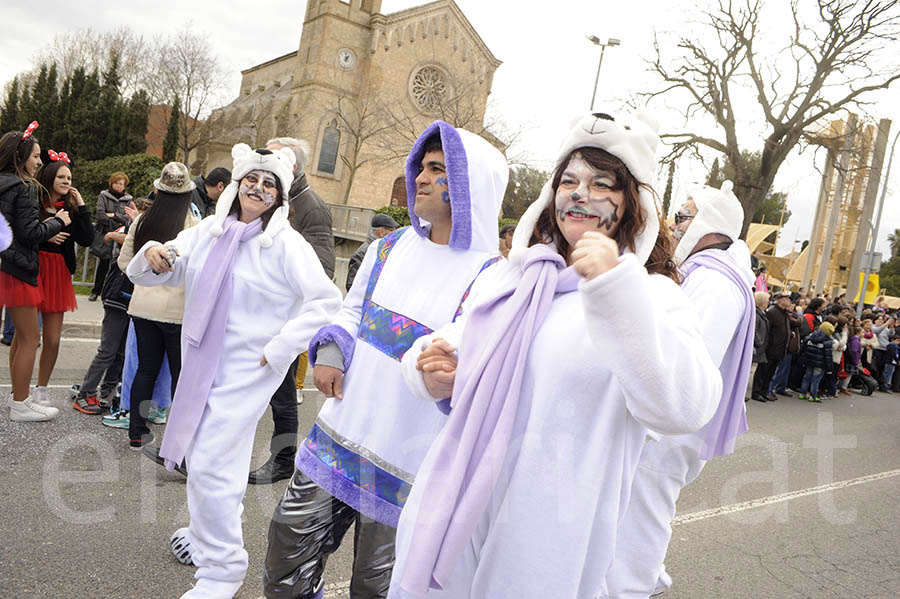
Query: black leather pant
[{"x": 308, "y": 525}]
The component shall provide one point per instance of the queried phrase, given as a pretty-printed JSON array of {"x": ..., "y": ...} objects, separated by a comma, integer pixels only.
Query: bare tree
[
  {"x": 92, "y": 50},
  {"x": 836, "y": 62},
  {"x": 364, "y": 119},
  {"x": 184, "y": 66}
]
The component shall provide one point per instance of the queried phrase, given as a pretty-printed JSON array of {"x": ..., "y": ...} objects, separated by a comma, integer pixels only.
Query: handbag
[{"x": 841, "y": 373}]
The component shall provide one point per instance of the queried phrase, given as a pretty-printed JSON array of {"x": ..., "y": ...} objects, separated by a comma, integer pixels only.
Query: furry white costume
[
  {"x": 364, "y": 449},
  {"x": 596, "y": 382},
  {"x": 281, "y": 297},
  {"x": 669, "y": 463}
]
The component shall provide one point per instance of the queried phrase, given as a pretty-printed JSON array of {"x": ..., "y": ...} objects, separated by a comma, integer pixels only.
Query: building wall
[{"x": 386, "y": 51}]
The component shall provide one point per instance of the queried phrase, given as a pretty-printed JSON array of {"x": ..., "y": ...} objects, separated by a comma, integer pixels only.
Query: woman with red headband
[
  {"x": 20, "y": 158},
  {"x": 57, "y": 259}
]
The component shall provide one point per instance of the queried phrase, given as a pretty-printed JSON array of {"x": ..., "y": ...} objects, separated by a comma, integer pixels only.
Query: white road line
[
  {"x": 764, "y": 501},
  {"x": 336, "y": 590},
  {"x": 79, "y": 340}
]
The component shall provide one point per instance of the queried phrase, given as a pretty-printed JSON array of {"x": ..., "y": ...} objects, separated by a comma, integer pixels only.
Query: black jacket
[
  {"x": 19, "y": 204},
  {"x": 761, "y": 337},
  {"x": 356, "y": 261},
  {"x": 817, "y": 350},
  {"x": 312, "y": 219},
  {"x": 80, "y": 231},
  {"x": 779, "y": 333},
  {"x": 200, "y": 198},
  {"x": 107, "y": 203}
]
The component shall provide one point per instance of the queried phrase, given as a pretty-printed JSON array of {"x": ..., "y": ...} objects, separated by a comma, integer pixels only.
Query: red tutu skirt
[
  {"x": 15, "y": 293},
  {"x": 55, "y": 282}
]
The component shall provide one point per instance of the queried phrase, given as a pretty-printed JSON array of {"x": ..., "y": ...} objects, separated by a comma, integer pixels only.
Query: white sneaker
[
  {"x": 299, "y": 397},
  {"x": 41, "y": 396},
  {"x": 29, "y": 411},
  {"x": 181, "y": 547}
]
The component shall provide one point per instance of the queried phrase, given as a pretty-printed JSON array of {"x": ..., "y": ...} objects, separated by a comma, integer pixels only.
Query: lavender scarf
[
  {"x": 203, "y": 338},
  {"x": 730, "y": 419},
  {"x": 472, "y": 448}
]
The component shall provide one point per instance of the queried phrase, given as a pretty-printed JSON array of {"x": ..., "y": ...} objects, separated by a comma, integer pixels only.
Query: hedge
[
  {"x": 400, "y": 214},
  {"x": 92, "y": 177}
]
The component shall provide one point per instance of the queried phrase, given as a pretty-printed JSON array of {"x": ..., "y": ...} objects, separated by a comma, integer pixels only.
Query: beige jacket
[{"x": 159, "y": 303}]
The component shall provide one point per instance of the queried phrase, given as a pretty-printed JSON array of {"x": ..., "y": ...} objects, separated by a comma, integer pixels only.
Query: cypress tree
[
  {"x": 88, "y": 130},
  {"x": 61, "y": 133},
  {"x": 667, "y": 196},
  {"x": 170, "y": 144},
  {"x": 9, "y": 116},
  {"x": 135, "y": 119},
  {"x": 110, "y": 108}
]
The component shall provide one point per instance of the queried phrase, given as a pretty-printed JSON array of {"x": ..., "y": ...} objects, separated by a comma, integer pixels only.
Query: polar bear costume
[
  {"x": 614, "y": 358},
  {"x": 718, "y": 282},
  {"x": 269, "y": 299}
]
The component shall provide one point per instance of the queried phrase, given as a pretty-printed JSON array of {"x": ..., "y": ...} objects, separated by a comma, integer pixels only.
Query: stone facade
[{"x": 359, "y": 89}]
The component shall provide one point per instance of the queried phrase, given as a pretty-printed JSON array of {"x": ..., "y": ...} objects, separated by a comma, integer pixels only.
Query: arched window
[
  {"x": 331, "y": 141},
  {"x": 398, "y": 192}
]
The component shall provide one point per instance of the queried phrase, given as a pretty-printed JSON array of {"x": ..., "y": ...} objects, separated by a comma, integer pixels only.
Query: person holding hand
[
  {"x": 565, "y": 358},
  {"x": 20, "y": 159}
]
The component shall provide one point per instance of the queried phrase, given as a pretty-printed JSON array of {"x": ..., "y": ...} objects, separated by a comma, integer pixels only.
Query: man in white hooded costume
[
  {"x": 360, "y": 459},
  {"x": 719, "y": 283}
]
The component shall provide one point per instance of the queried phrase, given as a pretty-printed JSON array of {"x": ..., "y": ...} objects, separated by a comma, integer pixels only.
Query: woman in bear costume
[
  {"x": 570, "y": 355},
  {"x": 257, "y": 294}
]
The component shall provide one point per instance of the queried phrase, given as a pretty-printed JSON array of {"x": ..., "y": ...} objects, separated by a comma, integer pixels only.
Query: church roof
[{"x": 389, "y": 24}]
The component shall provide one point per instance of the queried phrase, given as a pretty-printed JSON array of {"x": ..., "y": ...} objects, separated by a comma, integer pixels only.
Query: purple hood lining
[{"x": 457, "y": 176}]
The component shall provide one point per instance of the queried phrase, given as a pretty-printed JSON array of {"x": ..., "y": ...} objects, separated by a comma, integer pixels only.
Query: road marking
[
  {"x": 48, "y": 386},
  {"x": 764, "y": 501},
  {"x": 79, "y": 340}
]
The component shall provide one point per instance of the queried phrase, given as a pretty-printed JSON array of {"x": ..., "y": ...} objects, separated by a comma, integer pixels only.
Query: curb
[{"x": 88, "y": 330}]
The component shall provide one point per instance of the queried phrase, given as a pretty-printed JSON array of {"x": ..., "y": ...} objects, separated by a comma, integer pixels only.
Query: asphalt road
[{"x": 807, "y": 507}]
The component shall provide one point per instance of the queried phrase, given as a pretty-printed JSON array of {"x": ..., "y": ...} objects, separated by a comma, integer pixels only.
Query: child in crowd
[
  {"x": 816, "y": 358},
  {"x": 107, "y": 362},
  {"x": 890, "y": 362}
]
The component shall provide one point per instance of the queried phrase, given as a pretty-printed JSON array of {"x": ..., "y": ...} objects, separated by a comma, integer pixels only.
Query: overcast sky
[{"x": 546, "y": 78}]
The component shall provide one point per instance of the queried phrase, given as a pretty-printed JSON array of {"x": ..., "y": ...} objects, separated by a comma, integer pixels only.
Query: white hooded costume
[
  {"x": 365, "y": 449},
  {"x": 280, "y": 298},
  {"x": 669, "y": 463},
  {"x": 610, "y": 362}
]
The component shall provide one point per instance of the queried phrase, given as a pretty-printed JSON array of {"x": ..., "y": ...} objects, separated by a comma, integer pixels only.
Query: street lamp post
[
  {"x": 596, "y": 41},
  {"x": 871, "y": 260}
]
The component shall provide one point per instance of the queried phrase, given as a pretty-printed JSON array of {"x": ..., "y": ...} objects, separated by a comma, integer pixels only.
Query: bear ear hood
[
  {"x": 278, "y": 162},
  {"x": 718, "y": 211},
  {"x": 477, "y": 174},
  {"x": 630, "y": 137}
]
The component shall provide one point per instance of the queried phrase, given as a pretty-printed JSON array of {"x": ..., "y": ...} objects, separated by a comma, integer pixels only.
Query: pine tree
[
  {"x": 9, "y": 116},
  {"x": 667, "y": 196},
  {"x": 43, "y": 106},
  {"x": 170, "y": 144}
]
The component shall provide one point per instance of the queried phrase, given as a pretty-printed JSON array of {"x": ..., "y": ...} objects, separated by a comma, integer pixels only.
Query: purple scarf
[
  {"x": 730, "y": 419},
  {"x": 472, "y": 448},
  {"x": 6, "y": 235},
  {"x": 203, "y": 338}
]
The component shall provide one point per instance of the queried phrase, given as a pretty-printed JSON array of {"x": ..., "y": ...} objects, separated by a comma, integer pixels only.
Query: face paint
[
  {"x": 585, "y": 193},
  {"x": 445, "y": 195},
  {"x": 259, "y": 186}
]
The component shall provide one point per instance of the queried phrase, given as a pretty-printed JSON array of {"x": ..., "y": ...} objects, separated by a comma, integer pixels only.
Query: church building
[{"x": 359, "y": 89}]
